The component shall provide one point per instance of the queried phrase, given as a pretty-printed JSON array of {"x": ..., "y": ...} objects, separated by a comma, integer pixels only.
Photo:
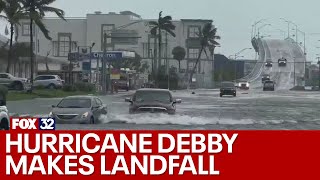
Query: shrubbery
[
  {"x": 3, "y": 90},
  {"x": 83, "y": 87}
]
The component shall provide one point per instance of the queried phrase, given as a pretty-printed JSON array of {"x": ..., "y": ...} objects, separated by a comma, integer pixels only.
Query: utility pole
[
  {"x": 294, "y": 71},
  {"x": 167, "y": 61},
  {"x": 319, "y": 72},
  {"x": 103, "y": 74}
]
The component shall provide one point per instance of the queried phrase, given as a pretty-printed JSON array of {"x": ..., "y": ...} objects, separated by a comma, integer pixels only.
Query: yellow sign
[{"x": 115, "y": 76}]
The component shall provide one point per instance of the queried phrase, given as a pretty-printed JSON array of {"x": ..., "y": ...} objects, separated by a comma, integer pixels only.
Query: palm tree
[
  {"x": 2, "y": 5},
  {"x": 36, "y": 10},
  {"x": 179, "y": 53},
  {"x": 207, "y": 37},
  {"x": 13, "y": 14},
  {"x": 163, "y": 24}
]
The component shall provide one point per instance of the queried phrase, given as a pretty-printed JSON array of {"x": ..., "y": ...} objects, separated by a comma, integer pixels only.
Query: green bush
[
  {"x": 84, "y": 87},
  {"x": 69, "y": 88},
  {"x": 3, "y": 90}
]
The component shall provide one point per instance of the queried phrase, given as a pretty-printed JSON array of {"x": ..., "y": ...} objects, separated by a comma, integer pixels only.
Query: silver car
[
  {"x": 15, "y": 83},
  {"x": 48, "y": 81},
  {"x": 78, "y": 110}
]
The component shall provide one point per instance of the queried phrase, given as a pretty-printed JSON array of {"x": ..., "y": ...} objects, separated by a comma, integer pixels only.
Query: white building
[{"x": 127, "y": 31}]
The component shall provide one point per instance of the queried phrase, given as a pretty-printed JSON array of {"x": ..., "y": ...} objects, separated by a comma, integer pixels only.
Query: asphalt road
[{"x": 253, "y": 109}]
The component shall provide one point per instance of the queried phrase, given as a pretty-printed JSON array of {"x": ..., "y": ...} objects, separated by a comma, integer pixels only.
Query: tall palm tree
[
  {"x": 163, "y": 24},
  {"x": 36, "y": 10},
  {"x": 13, "y": 14},
  {"x": 2, "y": 5},
  {"x": 207, "y": 37}
]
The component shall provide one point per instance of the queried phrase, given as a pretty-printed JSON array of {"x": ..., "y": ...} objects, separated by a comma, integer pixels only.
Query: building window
[
  {"x": 26, "y": 29},
  {"x": 193, "y": 53},
  {"x": 107, "y": 29},
  {"x": 193, "y": 31},
  {"x": 64, "y": 42}
]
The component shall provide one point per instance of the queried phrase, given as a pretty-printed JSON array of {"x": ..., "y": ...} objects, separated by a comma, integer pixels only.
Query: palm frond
[
  {"x": 170, "y": 32},
  {"x": 213, "y": 42},
  {"x": 153, "y": 31},
  {"x": 36, "y": 17},
  {"x": 168, "y": 26},
  {"x": 60, "y": 13}
]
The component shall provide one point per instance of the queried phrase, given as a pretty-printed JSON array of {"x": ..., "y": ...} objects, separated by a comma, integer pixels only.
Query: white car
[{"x": 4, "y": 118}]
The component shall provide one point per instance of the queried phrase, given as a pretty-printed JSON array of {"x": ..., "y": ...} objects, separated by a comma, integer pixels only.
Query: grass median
[{"x": 43, "y": 93}]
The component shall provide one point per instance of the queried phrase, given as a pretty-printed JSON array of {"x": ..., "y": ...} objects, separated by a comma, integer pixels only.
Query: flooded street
[{"x": 251, "y": 109}]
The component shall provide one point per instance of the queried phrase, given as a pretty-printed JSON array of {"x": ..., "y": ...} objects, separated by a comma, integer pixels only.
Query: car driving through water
[
  {"x": 78, "y": 110},
  {"x": 228, "y": 88},
  {"x": 268, "y": 86},
  {"x": 152, "y": 101}
]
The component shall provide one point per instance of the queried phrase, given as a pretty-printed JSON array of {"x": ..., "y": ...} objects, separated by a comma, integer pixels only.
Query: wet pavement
[{"x": 253, "y": 109}]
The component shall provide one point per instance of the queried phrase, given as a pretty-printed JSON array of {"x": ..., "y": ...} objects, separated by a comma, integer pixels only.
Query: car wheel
[
  {"x": 91, "y": 120},
  {"x": 18, "y": 86},
  {"x": 4, "y": 124},
  {"x": 221, "y": 95},
  {"x": 234, "y": 95},
  {"x": 52, "y": 86}
]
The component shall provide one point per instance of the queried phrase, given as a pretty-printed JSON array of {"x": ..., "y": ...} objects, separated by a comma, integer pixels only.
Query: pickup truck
[{"x": 14, "y": 83}]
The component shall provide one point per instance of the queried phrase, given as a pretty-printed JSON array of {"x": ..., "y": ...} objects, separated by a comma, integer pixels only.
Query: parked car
[
  {"x": 268, "y": 86},
  {"x": 228, "y": 88},
  {"x": 282, "y": 62},
  {"x": 243, "y": 85},
  {"x": 48, "y": 81},
  {"x": 265, "y": 77},
  {"x": 78, "y": 110},
  {"x": 14, "y": 83},
  {"x": 152, "y": 101}
]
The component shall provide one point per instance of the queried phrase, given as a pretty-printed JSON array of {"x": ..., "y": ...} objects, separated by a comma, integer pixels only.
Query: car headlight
[
  {"x": 50, "y": 114},
  {"x": 247, "y": 84},
  {"x": 85, "y": 115}
]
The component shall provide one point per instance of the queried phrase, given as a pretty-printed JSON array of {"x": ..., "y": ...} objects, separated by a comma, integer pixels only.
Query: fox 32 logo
[{"x": 33, "y": 124}]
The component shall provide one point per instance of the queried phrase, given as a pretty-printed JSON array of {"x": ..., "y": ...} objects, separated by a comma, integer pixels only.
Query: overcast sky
[{"x": 233, "y": 18}]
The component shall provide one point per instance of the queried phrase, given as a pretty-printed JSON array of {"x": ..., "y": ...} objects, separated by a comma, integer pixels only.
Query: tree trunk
[
  {"x": 159, "y": 55},
  {"x": 10, "y": 48},
  {"x": 179, "y": 65},
  {"x": 31, "y": 52},
  {"x": 194, "y": 68}
]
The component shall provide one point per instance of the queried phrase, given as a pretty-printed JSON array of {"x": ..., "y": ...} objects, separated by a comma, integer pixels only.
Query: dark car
[
  {"x": 152, "y": 101},
  {"x": 265, "y": 78},
  {"x": 78, "y": 110},
  {"x": 268, "y": 64},
  {"x": 282, "y": 62},
  {"x": 122, "y": 84},
  {"x": 228, "y": 88},
  {"x": 268, "y": 86}
]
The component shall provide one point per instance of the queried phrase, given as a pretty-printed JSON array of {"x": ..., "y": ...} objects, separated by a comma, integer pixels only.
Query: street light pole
[
  {"x": 103, "y": 74},
  {"x": 254, "y": 26},
  {"x": 235, "y": 61},
  {"x": 319, "y": 72},
  {"x": 261, "y": 28},
  {"x": 288, "y": 22}
]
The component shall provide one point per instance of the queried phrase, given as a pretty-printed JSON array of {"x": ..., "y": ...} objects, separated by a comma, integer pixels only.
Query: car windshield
[
  {"x": 227, "y": 84},
  {"x": 75, "y": 103},
  {"x": 152, "y": 96}
]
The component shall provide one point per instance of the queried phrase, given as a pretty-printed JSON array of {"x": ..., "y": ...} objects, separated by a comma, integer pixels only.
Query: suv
[
  {"x": 268, "y": 86},
  {"x": 48, "y": 81},
  {"x": 269, "y": 64},
  {"x": 15, "y": 83},
  {"x": 228, "y": 88},
  {"x": 243, "y": 85}
]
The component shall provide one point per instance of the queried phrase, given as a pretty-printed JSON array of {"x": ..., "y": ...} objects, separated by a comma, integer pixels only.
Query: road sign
[{"x": 107, "y": 56}]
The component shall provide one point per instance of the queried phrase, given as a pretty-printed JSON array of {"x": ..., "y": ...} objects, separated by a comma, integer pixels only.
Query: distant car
[
  {"x": 122, "y": 84},
  {"x": 268, "y": 86},
  {"x": 78, "y": 110},
  {"x": 268, "y": 64},
  {"x": 265, "y": 78},
  {"x": 14, "y": 83},
  {"x": 4, "y": 117},
  {"x": 243, "y": 85},
  {"x": 282, "y": 62},
  {"x": 228, "y": 88},
  {"x": 48, "y": 81},
  {"x": 152, "y": 101}
]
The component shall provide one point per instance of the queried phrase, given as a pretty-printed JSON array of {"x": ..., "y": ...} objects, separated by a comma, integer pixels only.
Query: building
[{"x": 126, "y": 31}]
